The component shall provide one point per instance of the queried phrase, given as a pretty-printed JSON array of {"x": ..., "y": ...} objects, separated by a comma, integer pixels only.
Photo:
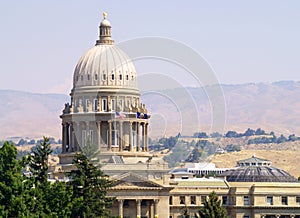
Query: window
[
  {"x": 95, "y": 105},
  {"x": 171, "y": 200},
  {"x": 298, "y": 200},
  {"x": 104, "y": 76},
  {"x": 224, "y": 200},
  {"x": 246, "y": 200},
  {"x": 203, "y": 198},
  {"x": 87, "y": 104},
  {"x": 87, "y": 137},
  {"x": 126, "y": 203},
  {"x": 127, "y": 77},
  {"x": 269, "y": 200},
  {"x": 96, "y": 77},
  {"x": 113, "y": 104},
  {"x": 120, "y": 76},
  {"x": 144, "y": 203},
  {"x": 104, "y": 104},
  {"x": 83, "y": 138},
  {"x": 246, "y": 216},
  {"x": 193, "y": 199},
  {"x": 115, "y": 138},
  {"x": 284, "y": 200},
  {"x": 81, "y": 77},
  {"x": 113, "y": 76},
  {"x": 182, "y": 199},
  {"x": 88, "y": 76}
]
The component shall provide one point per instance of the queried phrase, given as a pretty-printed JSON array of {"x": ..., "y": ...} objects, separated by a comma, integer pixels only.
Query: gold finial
[{"x": 104, "y": 15}]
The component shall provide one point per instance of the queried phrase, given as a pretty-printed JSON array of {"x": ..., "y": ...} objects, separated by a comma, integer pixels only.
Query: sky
[{"x": 243, "y": 41}]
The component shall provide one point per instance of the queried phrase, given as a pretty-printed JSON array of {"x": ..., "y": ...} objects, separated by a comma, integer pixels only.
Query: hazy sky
[{"x": 244, "y": 41}]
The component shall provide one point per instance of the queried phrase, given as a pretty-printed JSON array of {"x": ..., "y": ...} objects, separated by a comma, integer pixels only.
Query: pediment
[{"x": 130, "y": 180}]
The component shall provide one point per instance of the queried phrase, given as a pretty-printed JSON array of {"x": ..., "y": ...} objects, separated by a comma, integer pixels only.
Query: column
[
  {"x": 151, "y": 212},
  {"x": 156, "y": 208},
  {"x": 99, "y": 134},
  {"x": 63, "y": 137},
  {"x": 121, "y": 136},
  {"x": 75, "y": 129},
  {"x": 67, "y": 137},
  {"x": 71, "y": 144},
  {"x": 79, "y": 134},
  {"x": 120, "y": 201},
  {"x": 138, "y": 136},
  {"x": 138, "y": 208},
  {"x": 143, "y": 136},
  {"x": 130, "y": 136},
  {"x": 110, "y": 135},
  {"x": 146, "y": 136}
]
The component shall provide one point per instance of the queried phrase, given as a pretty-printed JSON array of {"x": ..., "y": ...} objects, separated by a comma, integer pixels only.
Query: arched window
[
  {"x": 127, "y": 77},
  {"x": 96, "y": 77},
  {"x": 113, "y": 76},
  {"x": 120, "y": 76}
]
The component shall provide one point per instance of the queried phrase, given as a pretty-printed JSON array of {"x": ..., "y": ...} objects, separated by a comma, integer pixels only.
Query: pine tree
[
  {"x": 90, "y": 187},
  {"x": 38, "y": 161},
  {"x": 212, "y": 208},
  {"x": 49, "y": 199}
]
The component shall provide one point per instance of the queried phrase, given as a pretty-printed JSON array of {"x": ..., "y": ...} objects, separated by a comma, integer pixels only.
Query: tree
[
  {"x": 38, "y": 161},
  {"x": 249, "y": 132},
  {"x": 185, "y": 213},
  {"x": 90, "y": 186},
  {"x": 212, "y": 208},
  {"x": 49, "y": 199},
  {"x": 12, "y": 187}
]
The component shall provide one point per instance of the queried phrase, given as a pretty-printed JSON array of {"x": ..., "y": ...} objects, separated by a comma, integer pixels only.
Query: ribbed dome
[
  {"x": 105, "y": 65},
  {"x": 258, "y": 174},
  {"x": 257, "y": 170}
]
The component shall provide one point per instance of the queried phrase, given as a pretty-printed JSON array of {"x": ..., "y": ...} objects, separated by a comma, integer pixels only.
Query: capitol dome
[
  {"x": 105, "y": 65},
  {"x": 257, "y": 170}
]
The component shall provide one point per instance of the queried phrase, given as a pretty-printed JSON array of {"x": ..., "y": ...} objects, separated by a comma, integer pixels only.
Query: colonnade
[
  {"x": 153, "y": 212},
  {"x": 72, "y": 133}
]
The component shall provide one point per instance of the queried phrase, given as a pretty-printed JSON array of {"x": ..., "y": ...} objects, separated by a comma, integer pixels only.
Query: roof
[
  {"x": 258, "y": 174},
  {"x": 202, "y": 182}
]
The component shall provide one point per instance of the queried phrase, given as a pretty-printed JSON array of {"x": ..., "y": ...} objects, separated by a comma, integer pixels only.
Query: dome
[
  {"x": 105, "y": 65},
  {"x": 258, "y": 174},
  {"x": 105, "y": 23},
  {"x": 257, "y": 170}
]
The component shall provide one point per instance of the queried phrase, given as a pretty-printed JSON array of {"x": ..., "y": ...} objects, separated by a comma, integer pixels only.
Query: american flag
[{"x": 119, "y": 115}]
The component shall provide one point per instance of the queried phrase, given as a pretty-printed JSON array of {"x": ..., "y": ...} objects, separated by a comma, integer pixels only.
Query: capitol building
[{"x": 105, "y": 114}]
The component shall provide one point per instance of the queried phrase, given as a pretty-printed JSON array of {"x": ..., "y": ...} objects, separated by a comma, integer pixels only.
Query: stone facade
[{"x": 106, "y": 114}]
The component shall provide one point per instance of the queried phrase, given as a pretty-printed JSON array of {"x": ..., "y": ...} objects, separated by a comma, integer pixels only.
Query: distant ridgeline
[{"x": 201, "y": 145}]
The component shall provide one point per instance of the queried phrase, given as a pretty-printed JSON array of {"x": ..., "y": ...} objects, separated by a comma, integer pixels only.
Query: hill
[
  {"x": 270, "y": 106},
  {"x": 29, "y": 114},
  {"x": 287, "y": 159}
]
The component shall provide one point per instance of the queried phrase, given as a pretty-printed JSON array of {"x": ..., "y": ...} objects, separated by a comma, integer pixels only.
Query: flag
[
  {"x": 138, "y": 114},
  {"x": 119, "y": 115}
]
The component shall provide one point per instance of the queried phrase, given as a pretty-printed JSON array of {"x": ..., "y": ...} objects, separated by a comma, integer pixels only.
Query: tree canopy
[{"x": 212, "y": 208}]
